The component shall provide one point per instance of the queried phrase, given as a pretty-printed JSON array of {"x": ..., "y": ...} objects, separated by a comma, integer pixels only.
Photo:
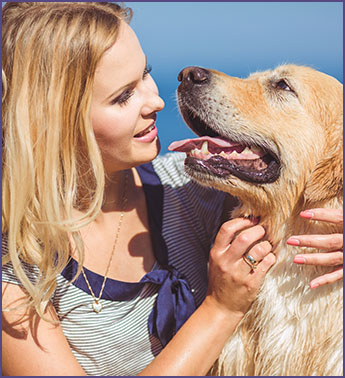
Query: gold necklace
[{"x": 96, "y": 305}]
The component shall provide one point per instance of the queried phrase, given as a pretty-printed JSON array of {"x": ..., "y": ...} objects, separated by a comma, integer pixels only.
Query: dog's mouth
[{"x": 216, "y": 154}]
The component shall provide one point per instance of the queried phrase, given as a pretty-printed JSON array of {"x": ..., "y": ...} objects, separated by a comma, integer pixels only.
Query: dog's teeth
[
  {"x": 247, "y": 151},
  {"x": 223, "y": 154},
  {"x": 234, "y": 153},
  {"x": 204, "y": 148}
]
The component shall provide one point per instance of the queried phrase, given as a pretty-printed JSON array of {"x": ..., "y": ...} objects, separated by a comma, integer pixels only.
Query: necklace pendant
[{"x": 97, "y": 307}]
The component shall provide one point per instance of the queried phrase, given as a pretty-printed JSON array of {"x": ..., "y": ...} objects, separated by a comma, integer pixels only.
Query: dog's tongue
[{"x": 187, "y": 145}]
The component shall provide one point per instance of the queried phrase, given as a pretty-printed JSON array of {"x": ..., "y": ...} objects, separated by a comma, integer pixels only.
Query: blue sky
[{"x": 236, "y": 38}]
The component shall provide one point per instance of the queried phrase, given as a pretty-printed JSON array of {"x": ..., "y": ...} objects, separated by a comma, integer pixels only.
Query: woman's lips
[{"x": 148, "y": 135}]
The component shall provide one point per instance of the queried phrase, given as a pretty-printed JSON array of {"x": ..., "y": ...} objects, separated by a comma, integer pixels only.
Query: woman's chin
[
  {"x": 151, "y": 152},
  {"x": 139, "y": 155}
]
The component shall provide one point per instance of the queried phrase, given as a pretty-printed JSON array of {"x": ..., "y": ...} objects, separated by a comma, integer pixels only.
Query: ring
[{"x": 250, "y": 261}]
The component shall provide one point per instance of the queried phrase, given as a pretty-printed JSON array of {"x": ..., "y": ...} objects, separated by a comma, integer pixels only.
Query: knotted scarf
[{"x": 174, "y": 304}]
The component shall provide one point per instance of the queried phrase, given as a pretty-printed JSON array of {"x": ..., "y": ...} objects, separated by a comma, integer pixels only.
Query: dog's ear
[{"x": 326, "y": 181}]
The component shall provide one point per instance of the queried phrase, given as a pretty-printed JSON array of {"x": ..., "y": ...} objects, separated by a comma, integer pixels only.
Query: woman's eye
[
  {"x": 147, "y": 70},
  {"x": 128, "y": 93},
  {"x": 282, "y": 84},
  {"x": 123, "y": 98}
]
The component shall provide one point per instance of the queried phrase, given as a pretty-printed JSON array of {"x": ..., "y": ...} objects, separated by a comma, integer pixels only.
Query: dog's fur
[{"x": 290, "y": 329}]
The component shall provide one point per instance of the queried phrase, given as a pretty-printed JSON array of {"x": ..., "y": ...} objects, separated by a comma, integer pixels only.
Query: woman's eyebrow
[{"x": 119, "y": 90}]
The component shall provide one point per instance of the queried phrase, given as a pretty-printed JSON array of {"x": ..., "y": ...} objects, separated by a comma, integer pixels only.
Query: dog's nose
[{"x": 194, "y": 75}]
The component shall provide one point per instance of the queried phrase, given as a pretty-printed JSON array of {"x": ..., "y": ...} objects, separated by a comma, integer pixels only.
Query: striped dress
[{"x": 183, "y": 219}]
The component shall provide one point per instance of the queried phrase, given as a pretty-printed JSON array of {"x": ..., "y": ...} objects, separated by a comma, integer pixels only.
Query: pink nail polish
[
  {"x": 314, "y": 285},
  {"x": 299, "y": 260},
  {"x": 293, "y": 241},
  {"x": 307, "y": 214}
]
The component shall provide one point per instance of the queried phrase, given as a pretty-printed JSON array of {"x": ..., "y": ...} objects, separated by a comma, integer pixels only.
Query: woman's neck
[{"x": 116, "y": 190}]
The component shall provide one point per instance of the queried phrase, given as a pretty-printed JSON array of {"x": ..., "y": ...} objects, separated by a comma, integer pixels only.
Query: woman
[{"x": 82, "y": 202}]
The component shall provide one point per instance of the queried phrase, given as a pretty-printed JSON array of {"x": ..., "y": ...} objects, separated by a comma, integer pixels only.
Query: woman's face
[{"x": 124, "y": 105}]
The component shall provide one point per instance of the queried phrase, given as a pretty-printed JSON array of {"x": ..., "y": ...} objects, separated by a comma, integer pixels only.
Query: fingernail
[
  {"x": 293, "y": 241},
  {"x": 314, "y": 285},
  {"x": 299, "y": 260},
  {"x": 307, "y": 214}
]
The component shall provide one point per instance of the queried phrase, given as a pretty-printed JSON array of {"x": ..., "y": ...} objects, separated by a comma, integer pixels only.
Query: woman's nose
[{"x": 154, "y": 102}]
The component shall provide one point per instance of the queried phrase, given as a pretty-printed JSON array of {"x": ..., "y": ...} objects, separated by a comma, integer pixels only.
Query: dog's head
[{"x": 277, "y": 133}]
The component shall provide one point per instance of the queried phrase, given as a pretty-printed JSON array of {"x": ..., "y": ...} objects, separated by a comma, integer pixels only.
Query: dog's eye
[{"x": 282, "y": 84}]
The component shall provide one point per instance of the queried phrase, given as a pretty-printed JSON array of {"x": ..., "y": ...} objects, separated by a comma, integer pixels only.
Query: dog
[{"x": 274, "y": 141}]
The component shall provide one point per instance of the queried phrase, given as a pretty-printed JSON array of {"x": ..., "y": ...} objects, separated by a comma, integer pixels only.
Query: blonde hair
[{"x": 51, "y": 161}]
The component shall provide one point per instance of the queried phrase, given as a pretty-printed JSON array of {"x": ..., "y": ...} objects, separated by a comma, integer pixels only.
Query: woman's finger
[
  {"x": 266, "y": 263},
  {"x": 228, "y": 230},
  {"x": 328, "y": 278},
  {"x": 258, "y": 274},
  {"x": 322, "y": 259},
  {"x": 244, "y": 240},
  {"x": 258, "y": 252},
  {"x": 326, "y": 215},
  {"x": 329, "y": 241}
]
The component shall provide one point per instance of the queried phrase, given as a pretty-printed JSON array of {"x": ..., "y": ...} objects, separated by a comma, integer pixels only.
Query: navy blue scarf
[{"x": 175, "y": 302}]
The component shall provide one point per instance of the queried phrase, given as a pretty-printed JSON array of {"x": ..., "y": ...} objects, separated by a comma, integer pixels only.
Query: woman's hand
[
  {"x": 333, "y": 244},
  {"x": 233, "y": 284},
  {"x": 232, "y": 288}
]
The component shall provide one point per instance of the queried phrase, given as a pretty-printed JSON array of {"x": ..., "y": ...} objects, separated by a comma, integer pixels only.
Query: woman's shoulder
[
  {"x": 184, "y": 195},
  {"x": 172, "y": 191},
  {"x": 8, "y": 272},
  {"x": 170, "y": 169}
]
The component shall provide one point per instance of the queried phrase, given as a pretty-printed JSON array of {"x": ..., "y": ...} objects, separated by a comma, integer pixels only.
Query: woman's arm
[
  {"x": 333, "y": 244},
  {"x": 32, "y": 346},
  {"x": 232, "y": 288}
]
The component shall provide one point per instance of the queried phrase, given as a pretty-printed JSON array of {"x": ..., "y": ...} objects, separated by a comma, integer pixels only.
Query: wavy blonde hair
[{"x": 51, "y": 160}]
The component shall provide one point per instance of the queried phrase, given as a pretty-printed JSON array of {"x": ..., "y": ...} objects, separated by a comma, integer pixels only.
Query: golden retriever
[{"x": 274, "y": 140}]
